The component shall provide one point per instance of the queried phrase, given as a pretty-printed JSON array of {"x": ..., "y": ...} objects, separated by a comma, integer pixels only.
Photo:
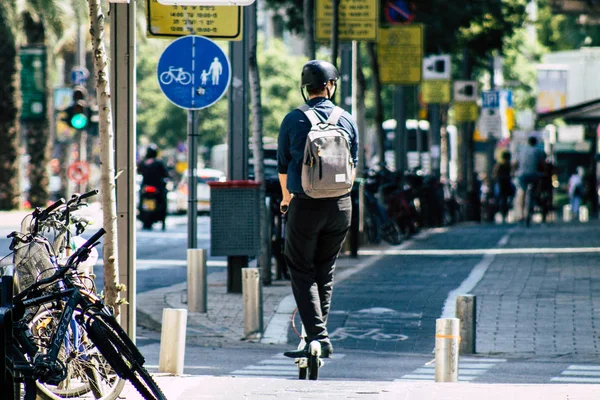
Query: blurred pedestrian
[
  {"x": 576, "y": 191},
  {"x": 504, "y": 188}
]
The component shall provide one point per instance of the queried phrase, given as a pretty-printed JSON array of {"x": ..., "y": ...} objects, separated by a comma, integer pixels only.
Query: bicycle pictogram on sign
[{"x": 175, "y": 75}]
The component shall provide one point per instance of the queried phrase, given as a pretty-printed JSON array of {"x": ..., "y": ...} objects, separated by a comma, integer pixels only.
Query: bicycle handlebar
[
  {"x": 91, "y": 193},
  {"x": 44, "y": 214}
]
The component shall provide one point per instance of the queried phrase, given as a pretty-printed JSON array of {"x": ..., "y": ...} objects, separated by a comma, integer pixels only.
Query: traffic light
[{"x": 78, "y": 114}]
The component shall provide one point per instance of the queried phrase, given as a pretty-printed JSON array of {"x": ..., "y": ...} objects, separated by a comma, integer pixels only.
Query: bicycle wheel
[
  {"x": 122, "y": 355},
  {"x": 371, "y": 229},
  {"x": 87, "y": 369},
  {"x": 166, "y": 78}
]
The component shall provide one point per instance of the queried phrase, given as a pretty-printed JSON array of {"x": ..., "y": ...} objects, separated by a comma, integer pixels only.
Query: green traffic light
[{"x": 79, "y": 121}]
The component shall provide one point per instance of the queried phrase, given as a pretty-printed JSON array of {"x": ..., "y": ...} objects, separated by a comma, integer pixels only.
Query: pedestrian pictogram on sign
[
  {"x": 78, "y": 172},
  {"x": 193, "y": 72}
]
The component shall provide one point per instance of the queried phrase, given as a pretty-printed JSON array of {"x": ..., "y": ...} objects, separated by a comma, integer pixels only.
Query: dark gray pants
[{"x": 314, "y": 234}]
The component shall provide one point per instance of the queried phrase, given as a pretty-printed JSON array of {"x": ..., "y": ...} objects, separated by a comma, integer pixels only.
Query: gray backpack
[{"x": 327, "y": 168}]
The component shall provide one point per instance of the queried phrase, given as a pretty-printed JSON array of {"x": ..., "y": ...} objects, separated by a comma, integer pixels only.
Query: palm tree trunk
[
  {"x": 37, "y": 132},
  {"x": 309, "y": 29},
  {"x": 257, "y": 149},
  {"x": 10, "y": 98},
  {"x": 111, "y": 277},
  {"x": 378, "y": 105}
]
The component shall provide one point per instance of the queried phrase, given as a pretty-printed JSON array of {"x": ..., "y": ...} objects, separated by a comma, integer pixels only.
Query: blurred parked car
[{"x": 205, "y": 175}]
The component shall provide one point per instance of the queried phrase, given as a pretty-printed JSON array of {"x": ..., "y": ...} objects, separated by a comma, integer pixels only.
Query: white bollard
[
  {"x": 447, "y": 337},
  {"x": 584, "y": 214},
  {"x": 196, "y": 280},
  {"x": 567, "y": 213},
  {"x": 253, "y": 308},
  {"x": 172, "y": 341}
]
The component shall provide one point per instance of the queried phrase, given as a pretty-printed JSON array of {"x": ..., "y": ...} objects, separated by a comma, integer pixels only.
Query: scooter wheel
[
  {"x": 302, "y": 373},
  {"x": 313, "y": 368}
]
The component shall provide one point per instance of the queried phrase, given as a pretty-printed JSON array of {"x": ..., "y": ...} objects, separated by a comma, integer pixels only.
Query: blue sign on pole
[
  {"x": 79, "y": 75},
  {"x": 490, "y": 99},
  {"x": 193, "y": 72}
]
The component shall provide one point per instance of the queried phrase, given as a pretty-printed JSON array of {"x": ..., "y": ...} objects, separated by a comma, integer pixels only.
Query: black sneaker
[
  {"x": 296, "y": 353},
  {"x": 326, "y": 351}
]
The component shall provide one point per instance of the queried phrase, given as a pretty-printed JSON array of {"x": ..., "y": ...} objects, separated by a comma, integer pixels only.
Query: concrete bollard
[
  {"x": 584, "y": 214},
  {"x": 567, "y": 213},
  {"x": 253, "y": 307},
  {"x": 196, "y": 280},
  {"x": 446, "y": 349},
  {"x": 466, "y": 312},
  {"x": 172, "y": 341}
]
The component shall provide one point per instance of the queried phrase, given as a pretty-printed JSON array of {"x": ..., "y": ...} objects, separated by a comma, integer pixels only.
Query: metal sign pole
[
  {"x": 399, "y": 132},
  {"x": 192, "y": 179}
]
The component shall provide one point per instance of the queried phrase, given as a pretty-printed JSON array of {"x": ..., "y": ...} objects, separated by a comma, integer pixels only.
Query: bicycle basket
[{"x": 32, "y": 262}]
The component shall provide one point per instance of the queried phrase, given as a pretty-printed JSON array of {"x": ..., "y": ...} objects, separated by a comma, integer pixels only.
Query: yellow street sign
[
  {"x": 358, "y": 20},
  {"x": 400, "y": 54},
  {"x": 217, "y": 22},
  {"x": 435, "y": 91},
  {"x": 466, "y": 111}
]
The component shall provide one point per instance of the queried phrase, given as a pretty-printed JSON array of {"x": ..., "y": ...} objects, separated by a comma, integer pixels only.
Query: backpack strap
[
  {"x": 335, "y": 115},
  {"x": 310, "y": 114}
]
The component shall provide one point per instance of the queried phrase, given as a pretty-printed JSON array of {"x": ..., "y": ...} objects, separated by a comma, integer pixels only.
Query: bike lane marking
[{"x": 276, "y": 331}]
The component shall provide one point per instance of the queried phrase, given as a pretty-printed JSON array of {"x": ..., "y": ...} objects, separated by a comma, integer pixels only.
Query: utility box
[{"x": 234, "y": 218}]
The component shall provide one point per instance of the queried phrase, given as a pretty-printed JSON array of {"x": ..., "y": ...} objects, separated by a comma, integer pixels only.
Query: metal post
[
  {"x": 196, "y": 280},
  {"x": 192, "y": 179},
  {"x": 346, "y": 69},
  {"x": 358, "y": 111},
  {"x": 237, "y": 136},
  {"x": 435, "y": 139},
  {"x": 446, "y": 349},
  {"x": 400, "y": 132},
  {"x": 172, "y": 341},
  {"x": 253, "y": 307},
  {"x": 123, "y": 88},
  {"x": 466, "y": 312}
]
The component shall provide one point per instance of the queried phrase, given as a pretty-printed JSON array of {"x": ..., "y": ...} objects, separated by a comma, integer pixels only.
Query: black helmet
[
  {"x": 152, "y": 151},
  {"x": 316, "y": 74}
]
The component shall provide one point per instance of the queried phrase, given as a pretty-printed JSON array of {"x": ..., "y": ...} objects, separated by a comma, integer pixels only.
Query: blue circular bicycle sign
[{"x": 193, "y": 72}]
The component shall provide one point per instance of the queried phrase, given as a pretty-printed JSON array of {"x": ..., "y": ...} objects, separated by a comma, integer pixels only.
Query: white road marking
[
  {"x": 575, "y": 380},
  {"x": 468, "y": 369},
  {"x": 277, "y": 365},
  {"x": 579, "y": 374},
  {"x": 147, "y": 264},
  {"x": 477, "y": 273},
  {"x": 478, "y": 252}
]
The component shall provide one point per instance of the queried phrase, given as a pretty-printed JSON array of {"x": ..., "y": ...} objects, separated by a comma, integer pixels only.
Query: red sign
[{"x": 78, "y": 172}]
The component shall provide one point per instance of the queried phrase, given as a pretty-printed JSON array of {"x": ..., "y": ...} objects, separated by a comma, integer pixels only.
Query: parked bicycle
[{"x": 63, "y": 341}]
